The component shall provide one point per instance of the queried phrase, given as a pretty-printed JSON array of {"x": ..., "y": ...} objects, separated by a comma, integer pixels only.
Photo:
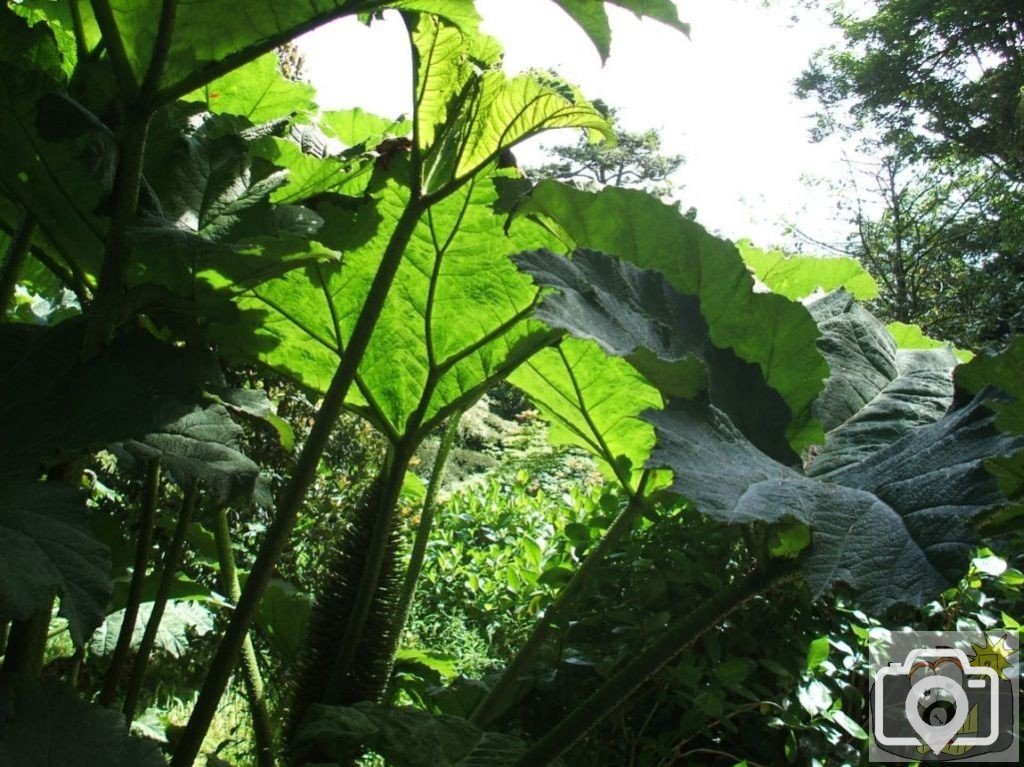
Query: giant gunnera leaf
[
  {"x": 202, "y": 446},
  {"x": 46, "y": 724},
  {"x": 894, "y": 518},
  {"x": 46, "y": 550},
  {"x": 876, "y": 391},
  {"x": 895, "y": 527},
  {"x": 468, "y": 109},
  {"x": 799, "y": 276},
  {"x": 764, "y": 329},
  {"x": 635, "y": 313},
  {"x": 593, "y": 401}
]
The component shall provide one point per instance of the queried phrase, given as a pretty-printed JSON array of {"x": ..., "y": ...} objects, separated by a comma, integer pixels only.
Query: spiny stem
[
  {"x": 151, "y": 493},
  {"x": 387, "y": 501},
  {"x": 263, "y": 730},
  {"x": 172, "y": 560}
]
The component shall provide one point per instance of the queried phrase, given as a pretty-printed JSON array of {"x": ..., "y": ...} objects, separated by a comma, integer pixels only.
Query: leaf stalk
[
  {"x": 263, "y": 729},
  {"x": 172, "y": 560},
  {"x": 294, "y": 493},
  {"x": 123, "y": 647}
]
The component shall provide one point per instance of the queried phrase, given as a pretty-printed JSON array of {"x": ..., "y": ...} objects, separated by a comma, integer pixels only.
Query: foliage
[
  {"x": 941, "y": 238},
  {"x": 500, "y": 549},
  {"x": 45, "y": 723},
  {"x": 633, "y": 160},
  {"x": 206, "y": 216},
  {"x": 935, "y": 86},
  {"x": 874, "y": 395},
  {"x": 949, "y": 61},
  {"x": 406, "y": 737}
]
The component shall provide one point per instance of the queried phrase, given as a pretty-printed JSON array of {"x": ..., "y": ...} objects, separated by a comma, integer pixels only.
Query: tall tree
[
  {"x": 634, "y": 160},
  {"x": 924, "y": 231},
  {"x": 936, "y": 87},
  {"x": 946, "y": 74}
]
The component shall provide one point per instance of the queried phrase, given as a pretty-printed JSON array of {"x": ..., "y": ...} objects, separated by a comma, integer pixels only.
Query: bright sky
[{"x": 723, "y": 98}]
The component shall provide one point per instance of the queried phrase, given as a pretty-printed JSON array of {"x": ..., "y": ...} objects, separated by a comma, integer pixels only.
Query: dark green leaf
[
  {"x": 45, "y": 724},
  {"x": 201, "y": 446},
  {"x": 181, "y": 622},
  {"x": 877, "y": 393},
  {"x": 46, "y": 549},
  {"x": 58, "y": 158},
  {"x": 768, "y": 330},
  {"x": 896, "y": 526},
  {"x": 182, "y": 588},
  {"x": 1005, "y": 371},
  {"x": 254, "y": 404},
  {"x": 282, "y": 617},
  {"x": 61, "y": 407}
]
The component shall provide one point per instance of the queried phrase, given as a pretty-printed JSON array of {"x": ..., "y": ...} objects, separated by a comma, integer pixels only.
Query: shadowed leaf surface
[
  {"x": 47, "y": 549},
  {"x": 45, "y": 724},
  {"x": 896, "y": 527}
]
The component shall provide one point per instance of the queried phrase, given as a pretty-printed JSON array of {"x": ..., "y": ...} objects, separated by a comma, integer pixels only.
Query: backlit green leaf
[
  {"x": 593, "y": 401},
  {"x": 797, "y": 277},
  {"x": 457, "y": 316},
  {"x": 909, "y": 336},
  {"x": 468, "y": 110},
  {"x": 768, "y": 330},
  {"x": 257, "y": 91}
]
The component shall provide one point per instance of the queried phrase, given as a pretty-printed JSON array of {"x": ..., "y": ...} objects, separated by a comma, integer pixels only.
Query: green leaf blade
[{"x": 47, "y": 548}]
